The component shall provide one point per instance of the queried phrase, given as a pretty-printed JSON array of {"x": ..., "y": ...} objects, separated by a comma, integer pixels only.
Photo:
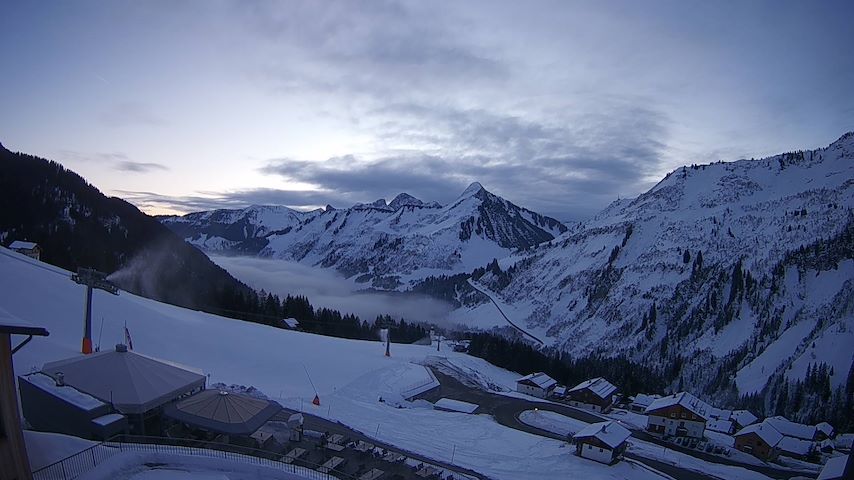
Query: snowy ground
[
  {"x": 349, "y": 375},
  {"x": 630, "y": 420},
  {"x": 44, "y": 449}
]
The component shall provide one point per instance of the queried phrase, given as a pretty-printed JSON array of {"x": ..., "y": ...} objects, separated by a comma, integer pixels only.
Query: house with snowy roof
[
  {"x": 602, "y": 442},
  {"x": 795, "y": 447},
  {"x": 537, "y": 384},
  {"x": 838, "y": 468},
  {"x": 824, "y": 431},
  {"x": 743, "y": 418},
  {"x": 759, "y": 440},
  {"x": 680, "y": 414},
  {"x": 30, "y": 249},
  {"x": 793, "y": 429},
  {"x": 596, "y": 394},
  {"x": 641, "y": 401},
  {"x": 721, "y": 426}
]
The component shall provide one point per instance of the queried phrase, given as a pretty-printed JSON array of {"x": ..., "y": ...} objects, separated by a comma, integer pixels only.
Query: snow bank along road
[{"x": 506, "y": 411}]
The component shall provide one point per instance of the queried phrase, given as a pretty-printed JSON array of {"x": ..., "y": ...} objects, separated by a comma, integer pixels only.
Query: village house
[
  {"x": 559, "y": 392},
  {"x": 602, "y": 442},
  {"x": 596, "y": 394},
  {"x": 824, "y": 431},
  {"x": 537, "y": 384},
  {"x": 641, "y": 401},
  {"x": 30, "y": 249},
  {"x": 795, "y": 448},
  {"x": 743, "y": 418},
  {"x": 793, "y": 429},
  {"x": 759, "y": 440},
  {"x": 838, "y": 468},
  {"x": 681, "y": 415},
  {"x": 721, "y": 426}
]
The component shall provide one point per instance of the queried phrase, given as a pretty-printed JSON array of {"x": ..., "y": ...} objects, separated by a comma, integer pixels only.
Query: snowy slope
[
  {"x": 629, "y": 281},
  {"x": 349, "y": 375},
  {"x": 384, "y": 245}
]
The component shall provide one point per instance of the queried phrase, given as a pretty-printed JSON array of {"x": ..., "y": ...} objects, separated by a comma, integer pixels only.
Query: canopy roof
[
  {"x": 14, "y": 325},
  {"x": 223, "y": 412},
  {"x": 133, "y": 383}
]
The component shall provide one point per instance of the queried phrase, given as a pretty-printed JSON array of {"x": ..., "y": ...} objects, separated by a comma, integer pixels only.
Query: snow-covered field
[
  {"x": 349, "y": 375},
  {"x": 551, "y": 421}
]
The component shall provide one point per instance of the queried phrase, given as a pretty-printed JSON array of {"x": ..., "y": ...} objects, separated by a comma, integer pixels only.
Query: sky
[{"x": 561, "y": 107}]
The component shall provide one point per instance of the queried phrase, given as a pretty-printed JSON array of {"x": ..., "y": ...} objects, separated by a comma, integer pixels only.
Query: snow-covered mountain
[
  {"x": 727, "y": 275},
  {"x": 386, "y": 244}
]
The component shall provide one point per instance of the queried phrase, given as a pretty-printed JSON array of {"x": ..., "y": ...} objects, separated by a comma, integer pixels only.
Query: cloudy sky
[{"x": 560, "y": 106}]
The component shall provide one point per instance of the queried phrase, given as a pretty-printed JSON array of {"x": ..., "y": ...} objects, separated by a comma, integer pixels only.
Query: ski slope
[{"x": 349, "y": 375}]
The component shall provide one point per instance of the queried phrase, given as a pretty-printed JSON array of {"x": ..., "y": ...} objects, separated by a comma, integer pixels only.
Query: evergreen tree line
[
  {"x": 267, "y": 308},
  {"x": 809, "y": 400},
  {"x": 630, "y": 377}
]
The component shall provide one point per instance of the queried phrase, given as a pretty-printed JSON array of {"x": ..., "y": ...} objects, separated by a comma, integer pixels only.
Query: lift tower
[{"x": 92, "y": 279}]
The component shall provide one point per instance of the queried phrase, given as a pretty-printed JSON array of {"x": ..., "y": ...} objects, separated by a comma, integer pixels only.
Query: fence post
[{"x": 92, "y": 451}]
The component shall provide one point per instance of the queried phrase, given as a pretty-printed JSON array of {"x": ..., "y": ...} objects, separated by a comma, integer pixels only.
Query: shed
[
  {"x": 223, "y": 412},
  {"x": 601, "y": 442},
  {"x": 795, "y": 447},
  {"x": 641, "y": 401},
  {"x": 30, "y": 249},
  {"x": 721, "y": 426},
  {"x": 825, "y": 430}
]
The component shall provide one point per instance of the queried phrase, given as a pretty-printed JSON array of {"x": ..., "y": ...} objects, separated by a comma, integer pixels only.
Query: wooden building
[
  {"x": 759, "y": 440},
  {"x": 595, "y": 394},
  {"x": 13, "y": 451},
  {"x": 680, "y": 415},
  {"x": 602, "y": 442},
  {"x": 30, "y": 249}
]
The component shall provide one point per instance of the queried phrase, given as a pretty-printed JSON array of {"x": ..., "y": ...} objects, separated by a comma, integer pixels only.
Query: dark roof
[
  {"x": 132, "y": 382},
  {"x": 223, "y": 412},
  {"x": 12, "y": 325}
]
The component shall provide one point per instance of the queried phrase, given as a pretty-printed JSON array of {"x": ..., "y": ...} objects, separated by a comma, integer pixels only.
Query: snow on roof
[
  {"x": 67, "y": 393},
  {"x": 723, "y": 426},
  {"x": 686, "y": 400},
  {"x": 22, "y": 245},
  {"x": 133, "y": 383},
  {"x": 14, "y": 325},
  {"x": 456, "y": 405},
  {"x": 834, "y": 469},
  {"x": 792, "y": 429},
  {"x": 610, "y": 433},
  {"x": 538, "y": 379},
  {"x": 108, "y": 419},
  {"x": 561, "y": 390},
  {"x": 766, "y": 432},
  {"x": 744, "y": 418},
  {"x": 825, "y": 428},
  {"x": 644, "y": 400},
  {"x": 599, "y": 386},
  {"x": 291, "y": 322},
  {"x": 795, "y": 445}
]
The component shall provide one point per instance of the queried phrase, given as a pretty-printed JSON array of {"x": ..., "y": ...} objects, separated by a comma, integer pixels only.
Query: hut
[
  {"x": 596, "y": 394},
  {"x": 30, "y": 249}
]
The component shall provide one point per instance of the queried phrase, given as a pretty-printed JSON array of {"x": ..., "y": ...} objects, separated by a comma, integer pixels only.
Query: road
[
  {"x": 506, "y": 411},
  {"x": 498, "y": 307}
]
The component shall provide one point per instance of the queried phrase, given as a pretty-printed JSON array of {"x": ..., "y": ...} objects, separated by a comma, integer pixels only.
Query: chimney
[{"x": 60, "y": 379}]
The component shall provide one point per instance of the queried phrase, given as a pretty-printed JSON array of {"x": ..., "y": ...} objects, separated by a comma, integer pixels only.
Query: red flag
[{"x": 316, "y": 400}]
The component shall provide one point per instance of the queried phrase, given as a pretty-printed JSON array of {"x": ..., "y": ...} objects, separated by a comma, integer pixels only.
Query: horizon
[{"x": 560, "y": 108}]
